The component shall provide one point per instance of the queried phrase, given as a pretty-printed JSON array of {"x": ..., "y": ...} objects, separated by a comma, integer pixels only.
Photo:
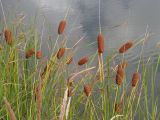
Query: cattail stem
[
  {"x": 9, "y": 109},
  {"x": 68, "y": 106},
  {"x": 4, "y": 17}
]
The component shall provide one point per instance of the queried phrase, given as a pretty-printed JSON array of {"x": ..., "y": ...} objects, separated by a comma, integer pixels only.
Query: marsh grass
[{"x": 40, "y": 91}]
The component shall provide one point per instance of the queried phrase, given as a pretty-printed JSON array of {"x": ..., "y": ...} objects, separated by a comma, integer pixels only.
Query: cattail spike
[
  {"x": 87, "y": 90},
  {"x": 30, "y": 52},
  {"x": 100, "y": 40},
  {"x": 61, "y": 27},
  {"x": 83, "y": 61},
  {"x": 135, "y": 79},
  {"x": 125, "y": 47},
  {"x": 60, "y": 53},
  {"x": 8, "y": 36},
  {"x": 39, "y": 54},
  {"x": 120, "y": 75}
]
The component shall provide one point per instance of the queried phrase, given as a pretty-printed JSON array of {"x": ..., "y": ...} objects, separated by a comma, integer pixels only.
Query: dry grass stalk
[
  {"x": 8, "y": 36},
  {"x": 63, "y": 106},
  {"x": 120, "y": 75},
  {"x": 30, "y": 52},
  {"x": 83, "y": 61},
  {"x": 60, "y": 53},
  {"x": 100, "y": 40},
  {"x": 38, "y": 94},
  {"x": 87, "y": 90},
  {"x": 9, "y": 109},
  {"x": 61, "y": 27},
  {"x": 135, "y": 79},
  {"x": 39, "y": 54},
  {"x": 125, "y": 47}
]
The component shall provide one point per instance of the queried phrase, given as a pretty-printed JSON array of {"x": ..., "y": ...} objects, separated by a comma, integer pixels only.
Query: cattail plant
[
  {"x": 135, "y": 79},
  {"x": 39, "y": 54},
  {"x": 118, "y": 107},
  {"x": 69, "y": 60},
  {"x": 83, "y": 60},
  {"x": 87, "y": 90},
  {"x": 8, "y": 36},
  {"x": 125, "y": 47},
  {"x": 60, "y": 53},
  {"x": 9, "y": 109},
  {"x": 120, "y": 75},
  {"x": 61, "y": 27},
  {"x": 30, "y": 52},
  {"x": 100, "y": 40}
]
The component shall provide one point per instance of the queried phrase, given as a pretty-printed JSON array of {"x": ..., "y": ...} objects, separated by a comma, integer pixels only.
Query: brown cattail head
[
  {"x": 61, "y": 27},
  {"x": 30, "y": 52},
  {"x": 100, "y": 40},
  {"x": 135, "y": 79},
  {"x": 69, "y": 60},
  {"x": 39, "y": 54},
  {"x": 118, "y": 107},
  {"x": 125, "y": 47},
  {"x": 87, "y": 90},
  {"x": 83, "y": 61},
  {"x": 60, "y": 53},
  {"x": 120, "y": 75},
  {"x": 8, "y": 36}
]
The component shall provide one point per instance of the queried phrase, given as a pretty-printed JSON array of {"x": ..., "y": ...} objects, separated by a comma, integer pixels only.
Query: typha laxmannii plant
[
  {"x": 135, "y": 79},
  {"x": 125, "y": 47},
  {"x": 83, "y": 60},
  {"x": 69, "y": 60},
  {"x": 120, "y": 75},
  {"x": 39, "y": 54},
  {"x": 61, "y": 27},
  {"x": 100, "y": 42},
  {"x": 60, "y": 53},
  {"x": 9, "y": 109},
  {"x": 87, "y": 90},
  {"x": 29, "y": 53},
  {"x": 8, "y": 36}
]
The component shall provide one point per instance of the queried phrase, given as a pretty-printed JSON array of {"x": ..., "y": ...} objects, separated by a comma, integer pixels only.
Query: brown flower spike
[
  {"x": 87, "y": 90},
  {"x": 118, "y": 107},
  {"x": 100, "y": 40},
  {"x": 125, "y": 47},
  {"x": 61, "y": 27},
  {"x": 8, "y": 36},
  {"x": 60, "y": 53},
  {"x": 83, "y": 61},
  {"x": 120, "y": 75},
  {"x": 39, "y": 54},
  {"x": 135, "y": 79},
  {"x": 30, "y": 52}
]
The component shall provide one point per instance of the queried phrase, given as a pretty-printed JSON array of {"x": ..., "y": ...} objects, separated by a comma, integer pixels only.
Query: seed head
[
  {"x": 8, "y": 36},
  {"x": 125, "y": 47},
  {"x": 60, "y": 53},
  {"x": 39, "y": 54},
  {"x": 100, "y": 40},
  {"x": 61, "y": 27},
  {"x": 135, "y": 79},
  {"x": 30, "y": 52},
  {"x": 120, "y": 75},
  {"x": 87, "y": 90},
  {"x": 83, "y": 61}
]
